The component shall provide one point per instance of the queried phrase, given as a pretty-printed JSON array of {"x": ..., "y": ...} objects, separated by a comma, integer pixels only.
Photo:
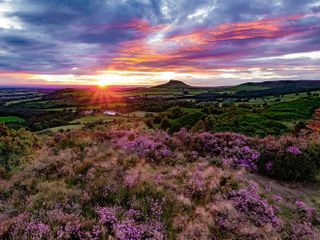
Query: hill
[
  {"x": 261, "y": 89},
  {"x": 173, "y": 84},
  {"x": 294, "y": 86}
]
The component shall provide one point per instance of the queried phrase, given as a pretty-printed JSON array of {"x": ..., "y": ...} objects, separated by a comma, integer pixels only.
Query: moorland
[{"x": 171, "y": 161}]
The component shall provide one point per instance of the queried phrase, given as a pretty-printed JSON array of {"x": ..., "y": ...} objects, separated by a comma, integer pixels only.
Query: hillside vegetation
[
  {"x": 109, "y": 182},
  {"x": 170, "y": 162}
]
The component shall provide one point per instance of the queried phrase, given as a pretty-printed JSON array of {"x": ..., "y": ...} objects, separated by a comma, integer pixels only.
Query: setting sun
[{"x": 102, "y": 83}]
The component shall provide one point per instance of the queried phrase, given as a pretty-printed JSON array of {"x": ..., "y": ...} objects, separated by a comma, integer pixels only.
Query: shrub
[
  {"x": 15, "y": 144},
  {"x": 25, "y": 227},
  {"x": 165, "y": 124},
  {"x": 289, "y": 158},
  {"x": 149, "y": 123},
  {"x": 149, "y": 148},
  {"x": 176, "y": 113},
  {"x": 189, "y": 120},
  {"x": 157, "y": 119}
]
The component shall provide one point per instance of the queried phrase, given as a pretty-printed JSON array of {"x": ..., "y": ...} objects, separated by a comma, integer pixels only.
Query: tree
[
  {"x": 157, "y": 119},
  {"x": 165, "y": 124},
  {"x": 149, "y": 124},
  {"x": 176, "y": 112}
]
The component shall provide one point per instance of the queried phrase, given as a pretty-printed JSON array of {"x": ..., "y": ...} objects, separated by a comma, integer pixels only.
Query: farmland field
[
  {"x": 90, "y": 119},
  {"x": 63, "y": 128},
  {"x": 10, "y": 119}
]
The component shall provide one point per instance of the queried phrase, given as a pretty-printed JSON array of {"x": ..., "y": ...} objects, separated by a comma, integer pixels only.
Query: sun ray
[{"x": 102, "y": 83}]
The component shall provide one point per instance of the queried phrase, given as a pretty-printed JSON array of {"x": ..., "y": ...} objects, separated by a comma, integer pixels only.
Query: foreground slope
[{"x": 143, "y": 184}]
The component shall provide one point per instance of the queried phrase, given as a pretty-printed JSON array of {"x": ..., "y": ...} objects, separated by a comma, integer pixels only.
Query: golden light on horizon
[{"x": 102, "y": 82}]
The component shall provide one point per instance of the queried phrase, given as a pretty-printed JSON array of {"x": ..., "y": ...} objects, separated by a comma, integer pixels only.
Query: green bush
[
  {"x": 190, "y": 120},
  {"x": 176, "y": 113},
  {"x": 157, "y": 119},
  {"x": 287, "y": 166},
  {"x": 165, "y": 123},
  {"x": 14, "y": 145}
]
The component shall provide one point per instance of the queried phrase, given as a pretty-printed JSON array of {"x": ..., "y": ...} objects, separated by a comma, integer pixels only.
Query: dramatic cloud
[{"x": 212, "y": 42}]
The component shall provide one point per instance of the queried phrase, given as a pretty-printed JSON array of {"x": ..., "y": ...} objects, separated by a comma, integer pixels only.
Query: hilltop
[{"x": 173, "y": 84}]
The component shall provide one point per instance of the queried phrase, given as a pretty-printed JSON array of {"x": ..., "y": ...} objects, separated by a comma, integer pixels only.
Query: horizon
[
  {"x": 208, "y": 43},
  {"x": 75, "y": 86}
]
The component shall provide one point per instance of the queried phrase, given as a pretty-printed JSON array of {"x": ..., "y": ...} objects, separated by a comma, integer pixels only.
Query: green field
[
  {"x": 11, "y": 119},
  {"x": 140, "y": 114},
  {"x": 22, "y": 101},
  {"x": 64, "y": 128},
  {"x": 90, "y": 119},
  {"x": 162, "y": 92},
  {"x": 61, "y": 109}
]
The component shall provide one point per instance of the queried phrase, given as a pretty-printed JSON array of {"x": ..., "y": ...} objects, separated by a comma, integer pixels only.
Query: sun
[{"x": 102, "y": 83}]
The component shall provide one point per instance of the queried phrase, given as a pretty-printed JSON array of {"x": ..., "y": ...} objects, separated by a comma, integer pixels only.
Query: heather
[{"x": 115, "y": 182}]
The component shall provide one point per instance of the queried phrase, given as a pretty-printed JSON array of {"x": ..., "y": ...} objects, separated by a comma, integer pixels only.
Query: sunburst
[{"x": 102, "y": 83}]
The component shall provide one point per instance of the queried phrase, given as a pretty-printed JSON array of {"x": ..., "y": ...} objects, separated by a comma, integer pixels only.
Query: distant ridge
[
  {"x": 283, "y": 83},
  {"x": 174, "y": 84}
]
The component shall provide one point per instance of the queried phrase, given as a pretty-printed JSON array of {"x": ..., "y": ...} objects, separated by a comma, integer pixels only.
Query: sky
[{"x": 147, "y": 42}]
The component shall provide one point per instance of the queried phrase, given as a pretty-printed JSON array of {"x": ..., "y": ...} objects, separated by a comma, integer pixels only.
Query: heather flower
[
  {"x": 258, "y": 209},
  {"x": 268, "y": 166},
  {"x": 277, "y": 198},
  {"x": 267, "y": 189},
  {"x": 300, "y": 204},
  {"x": 223, "y": 223},
  {"x": 294, "y": 150},
  {"x": 131, "y": 179},
  {"x": 156, "y": 208},
  {"x": 37, "y": 230},
  {"x": 241, "y": 157},
  {"x": 107, "y": 216},
  {"x": 302, "y": 231},
  {"x": 196, "y": 184},
  {"x": 128, "y": 231},
  {"x": 148, "y": 147},
  {"x": 304, "y": 210},
  {"x": 184, "y": 137},
  {"x": 158, "y": 177},
  {"x": 72, "y": 230},
  {"x": 131, "y": 223},
  {"x": 227, "y": 162},
  {"x": 96, "y": 231},
  {"x": 26, "y": 228},
  {"x": 132, "y": 214},
  {"x": 192, "y": 156}
]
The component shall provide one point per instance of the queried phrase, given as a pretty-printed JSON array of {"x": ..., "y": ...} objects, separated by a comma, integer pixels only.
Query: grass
[
  {"x": 136, "y": 114},
  {"x": 22, "y": 101},
  {"x": 163, "y": 92},
  {"x": 11, "y": 119},
  {"x": 90, "y": 119},
  {"x": 61, "y": 109},
  {"x": 66, "y": 127}
]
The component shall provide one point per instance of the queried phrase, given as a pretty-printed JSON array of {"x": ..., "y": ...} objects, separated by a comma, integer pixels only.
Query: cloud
[{"x": 184, "y": 37}]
